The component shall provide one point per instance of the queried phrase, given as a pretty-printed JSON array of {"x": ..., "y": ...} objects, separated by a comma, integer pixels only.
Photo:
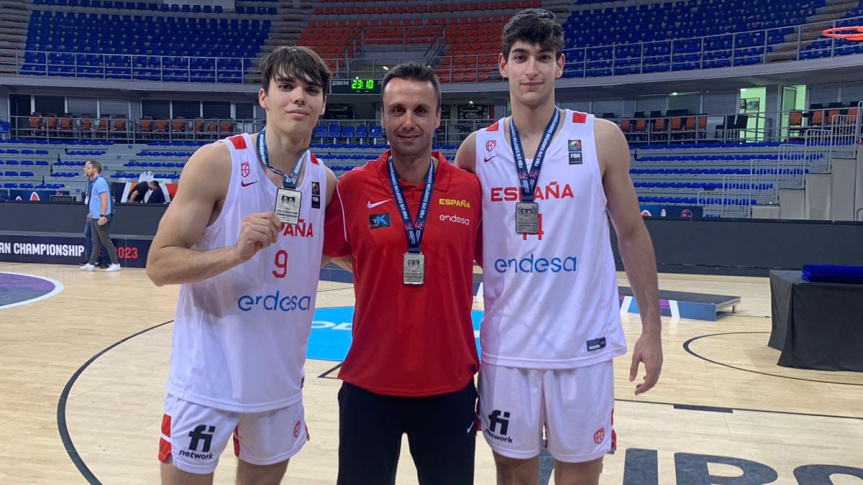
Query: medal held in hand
[
  {"x": 527, "y": 217},
  {"x": 288, "y": 198},
  {"x": 527, "y": 211},
  {"x": 288, "y": 205},
  {"x": 413, "y": 269}
]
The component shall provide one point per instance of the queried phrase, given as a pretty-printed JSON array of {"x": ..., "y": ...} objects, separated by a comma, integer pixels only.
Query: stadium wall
[
  {"x": 751, "y": 247},
  {"x": 707, "y": 246}
]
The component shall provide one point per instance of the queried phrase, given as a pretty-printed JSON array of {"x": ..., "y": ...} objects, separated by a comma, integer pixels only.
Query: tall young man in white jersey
[
  {"x": 248, "y": 282},
  {"x": 409, "y": 222},
  {"x": 550, "y": 179}
]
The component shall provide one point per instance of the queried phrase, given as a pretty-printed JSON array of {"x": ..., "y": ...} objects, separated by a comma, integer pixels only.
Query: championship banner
[{"x": 132, "y": 253}]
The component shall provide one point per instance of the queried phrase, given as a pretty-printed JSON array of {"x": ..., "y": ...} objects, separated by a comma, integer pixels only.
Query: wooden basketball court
[{"x": 81, "y": 394}]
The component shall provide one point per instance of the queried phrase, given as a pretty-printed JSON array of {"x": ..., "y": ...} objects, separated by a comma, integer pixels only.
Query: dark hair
[
  {"x": 412, "y": 71},
  {"x": 155, "y": 182},
  {"x": 293, "y": 62},
  {"x": 96, "y": 165},
  {"x": 534, "y": 26}
]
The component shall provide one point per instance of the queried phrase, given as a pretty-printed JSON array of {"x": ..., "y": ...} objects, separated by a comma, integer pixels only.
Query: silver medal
[
  {"x": 413, "y": 268},
  {"x": 288, "y": 205},
  {"x": 526, "y": 217}
]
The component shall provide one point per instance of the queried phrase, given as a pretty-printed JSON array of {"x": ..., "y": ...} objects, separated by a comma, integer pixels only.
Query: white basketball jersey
[
  {"x": 551, "y": 298},
  {"x": 239, "y": 339}
]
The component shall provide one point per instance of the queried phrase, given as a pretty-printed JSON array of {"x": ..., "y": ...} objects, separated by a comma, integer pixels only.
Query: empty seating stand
[
  {"x": 678, "y": 35},
  {"x": 107, "y": 45}
]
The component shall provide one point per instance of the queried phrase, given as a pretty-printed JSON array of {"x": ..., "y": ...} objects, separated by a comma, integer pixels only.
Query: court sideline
[{"x": 721, "y": 398}]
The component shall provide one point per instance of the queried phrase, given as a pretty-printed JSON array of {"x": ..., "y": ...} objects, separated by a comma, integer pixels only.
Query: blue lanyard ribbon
[
  {"x": 413, "y": 229},
  {"x": 289, "y": 180},
  {"x": 528, "y": 180}
]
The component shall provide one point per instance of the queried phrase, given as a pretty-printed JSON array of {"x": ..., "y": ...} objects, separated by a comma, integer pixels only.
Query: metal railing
[
  {"x": 122, "y": 129},
  {"x": 843, "y": 129},
  {"x": 737, "y": 195},
  {"x": 792, "y": 167},
  {"x": 818, "y": 144},
  {"x": 713, "y": 51},
  {"x": 838, "y": 139},
  {"x": 733, "y": 199},
  {"x": 765, "y": 174},
  {"x": 846, "y": 131},
  {"x": 134, "y": 67}
]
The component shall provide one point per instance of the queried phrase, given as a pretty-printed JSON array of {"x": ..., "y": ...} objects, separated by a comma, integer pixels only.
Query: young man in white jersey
[
  {"x": 248, "y": 282},
  {"x": 550, "y": 179}
]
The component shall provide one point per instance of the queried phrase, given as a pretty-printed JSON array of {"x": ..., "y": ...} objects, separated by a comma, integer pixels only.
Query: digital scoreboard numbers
[{"x": 356, "y": 86}]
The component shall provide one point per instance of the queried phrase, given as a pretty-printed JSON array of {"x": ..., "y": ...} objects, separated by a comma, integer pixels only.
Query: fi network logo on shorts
[
  {"x": 275, "y": 302},
  {"x": 498, "y": 426},
  {"x": 202, "y": 435}
]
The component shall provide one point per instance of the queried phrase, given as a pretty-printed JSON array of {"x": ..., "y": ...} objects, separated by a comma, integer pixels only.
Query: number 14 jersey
[{"x": 551, "y": 298}]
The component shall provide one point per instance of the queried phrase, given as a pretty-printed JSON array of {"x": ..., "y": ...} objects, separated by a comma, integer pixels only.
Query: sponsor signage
[{"x": 132, "y": 253}]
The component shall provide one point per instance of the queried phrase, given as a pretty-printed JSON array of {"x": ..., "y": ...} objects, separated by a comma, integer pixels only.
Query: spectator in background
[
  {"x": 100, "y": 205},
  {"x": 138, "y": 192},
  {"x": 88, "y": 236},
  {"x": 156, "y": 194},
  {"x": 88, "y": 242}
]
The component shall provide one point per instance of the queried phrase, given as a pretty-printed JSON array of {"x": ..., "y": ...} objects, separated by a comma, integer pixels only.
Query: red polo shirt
[{"x": 408, "y": 341}]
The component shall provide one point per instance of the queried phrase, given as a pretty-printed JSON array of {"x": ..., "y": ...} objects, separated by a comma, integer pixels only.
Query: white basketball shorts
[
  {"x": 195, "y": 436},
  {"x": 571, "y": 408}
]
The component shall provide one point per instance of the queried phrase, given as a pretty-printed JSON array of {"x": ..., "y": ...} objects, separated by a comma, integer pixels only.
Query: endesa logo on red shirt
[{"x": 456, "y": 219}]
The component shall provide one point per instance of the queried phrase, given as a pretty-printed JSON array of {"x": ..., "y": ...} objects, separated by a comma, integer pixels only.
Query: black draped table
[{"x": 816, "y": 325}]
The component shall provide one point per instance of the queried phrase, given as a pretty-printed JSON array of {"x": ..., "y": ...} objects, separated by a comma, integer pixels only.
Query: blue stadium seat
[{"x": 333, "y": 130}]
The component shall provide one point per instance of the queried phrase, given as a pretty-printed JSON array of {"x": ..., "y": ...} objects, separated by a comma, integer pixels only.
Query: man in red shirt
[{"x": 409, "y": 221}]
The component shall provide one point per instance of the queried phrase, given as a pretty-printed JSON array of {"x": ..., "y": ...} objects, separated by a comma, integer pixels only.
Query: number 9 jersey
[{"x": 239, "y": 340}]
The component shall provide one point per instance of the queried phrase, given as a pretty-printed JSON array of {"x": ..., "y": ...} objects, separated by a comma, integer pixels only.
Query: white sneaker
[
  {"x": 87, "y": 267},
  {"x": 113, "y": 267}
]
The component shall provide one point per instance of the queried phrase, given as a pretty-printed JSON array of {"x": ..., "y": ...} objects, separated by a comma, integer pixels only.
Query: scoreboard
[{"x": 355, "y": 86}]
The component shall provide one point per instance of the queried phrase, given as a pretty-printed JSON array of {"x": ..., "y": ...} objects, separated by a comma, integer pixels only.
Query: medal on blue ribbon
[
  {"x": 413, "y": 263},
  {"x": 526, "y": 210},
  {"x": 288, "y": 198}
]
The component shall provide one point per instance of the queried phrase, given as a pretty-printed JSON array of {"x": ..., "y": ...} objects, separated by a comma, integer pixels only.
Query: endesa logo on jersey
[
  {"x": 536, "y": 264},
  {"x": 275, "y": 302},
  {"x": 551, "y": 191},
  {"x": 454, "y": 218}
]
